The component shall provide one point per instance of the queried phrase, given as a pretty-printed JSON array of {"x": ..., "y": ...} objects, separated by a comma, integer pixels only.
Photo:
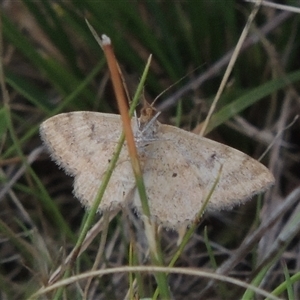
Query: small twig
[
  {"x": 114, "y": 69},
  {"x": 214, "y": 70},
  {"x": 278, "y": 6},
  {"x": 231, "y": 65},
  {"x": 90, "y": 236},
  {"x": 30, "y": 159},
  {"x": 100, "y": 251},
  {"x": 252, "y": 240},
  {"x": 279, "y": 133},
  {"x": 147, "y": 269}
]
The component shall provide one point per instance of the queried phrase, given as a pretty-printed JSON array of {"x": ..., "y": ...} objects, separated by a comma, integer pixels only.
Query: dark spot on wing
[
  {"x": 174, "y": 175},
  {"x": 213, "y": 156}
]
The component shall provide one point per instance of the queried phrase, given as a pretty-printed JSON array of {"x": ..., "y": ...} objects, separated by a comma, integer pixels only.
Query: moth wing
[
  {"x": 173, "y": 191},
  {"x": 182, "y": 168},
  {"x": 83, "y": 143}
]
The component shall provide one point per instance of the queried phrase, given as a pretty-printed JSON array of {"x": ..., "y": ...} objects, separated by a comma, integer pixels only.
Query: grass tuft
[{"x": 50, "y": 63}]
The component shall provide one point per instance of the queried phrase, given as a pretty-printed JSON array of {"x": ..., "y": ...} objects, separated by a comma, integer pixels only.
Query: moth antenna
[
  {"x": 175, "y": 83},
  {"x": 152, "y": 121}
]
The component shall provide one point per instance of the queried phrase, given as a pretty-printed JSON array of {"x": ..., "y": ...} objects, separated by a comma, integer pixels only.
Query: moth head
[{"x": 147, "y": 123}]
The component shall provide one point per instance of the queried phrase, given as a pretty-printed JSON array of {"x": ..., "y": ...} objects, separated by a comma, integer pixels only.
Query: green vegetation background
[{"x": 53, "y": 64}]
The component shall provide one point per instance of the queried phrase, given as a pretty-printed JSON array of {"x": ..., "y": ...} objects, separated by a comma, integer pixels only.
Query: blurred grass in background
[{"x": 53, "y": 64}]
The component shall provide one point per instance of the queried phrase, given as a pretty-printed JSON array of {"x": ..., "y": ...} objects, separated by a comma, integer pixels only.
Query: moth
[{"x": 179, "y": 167}]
